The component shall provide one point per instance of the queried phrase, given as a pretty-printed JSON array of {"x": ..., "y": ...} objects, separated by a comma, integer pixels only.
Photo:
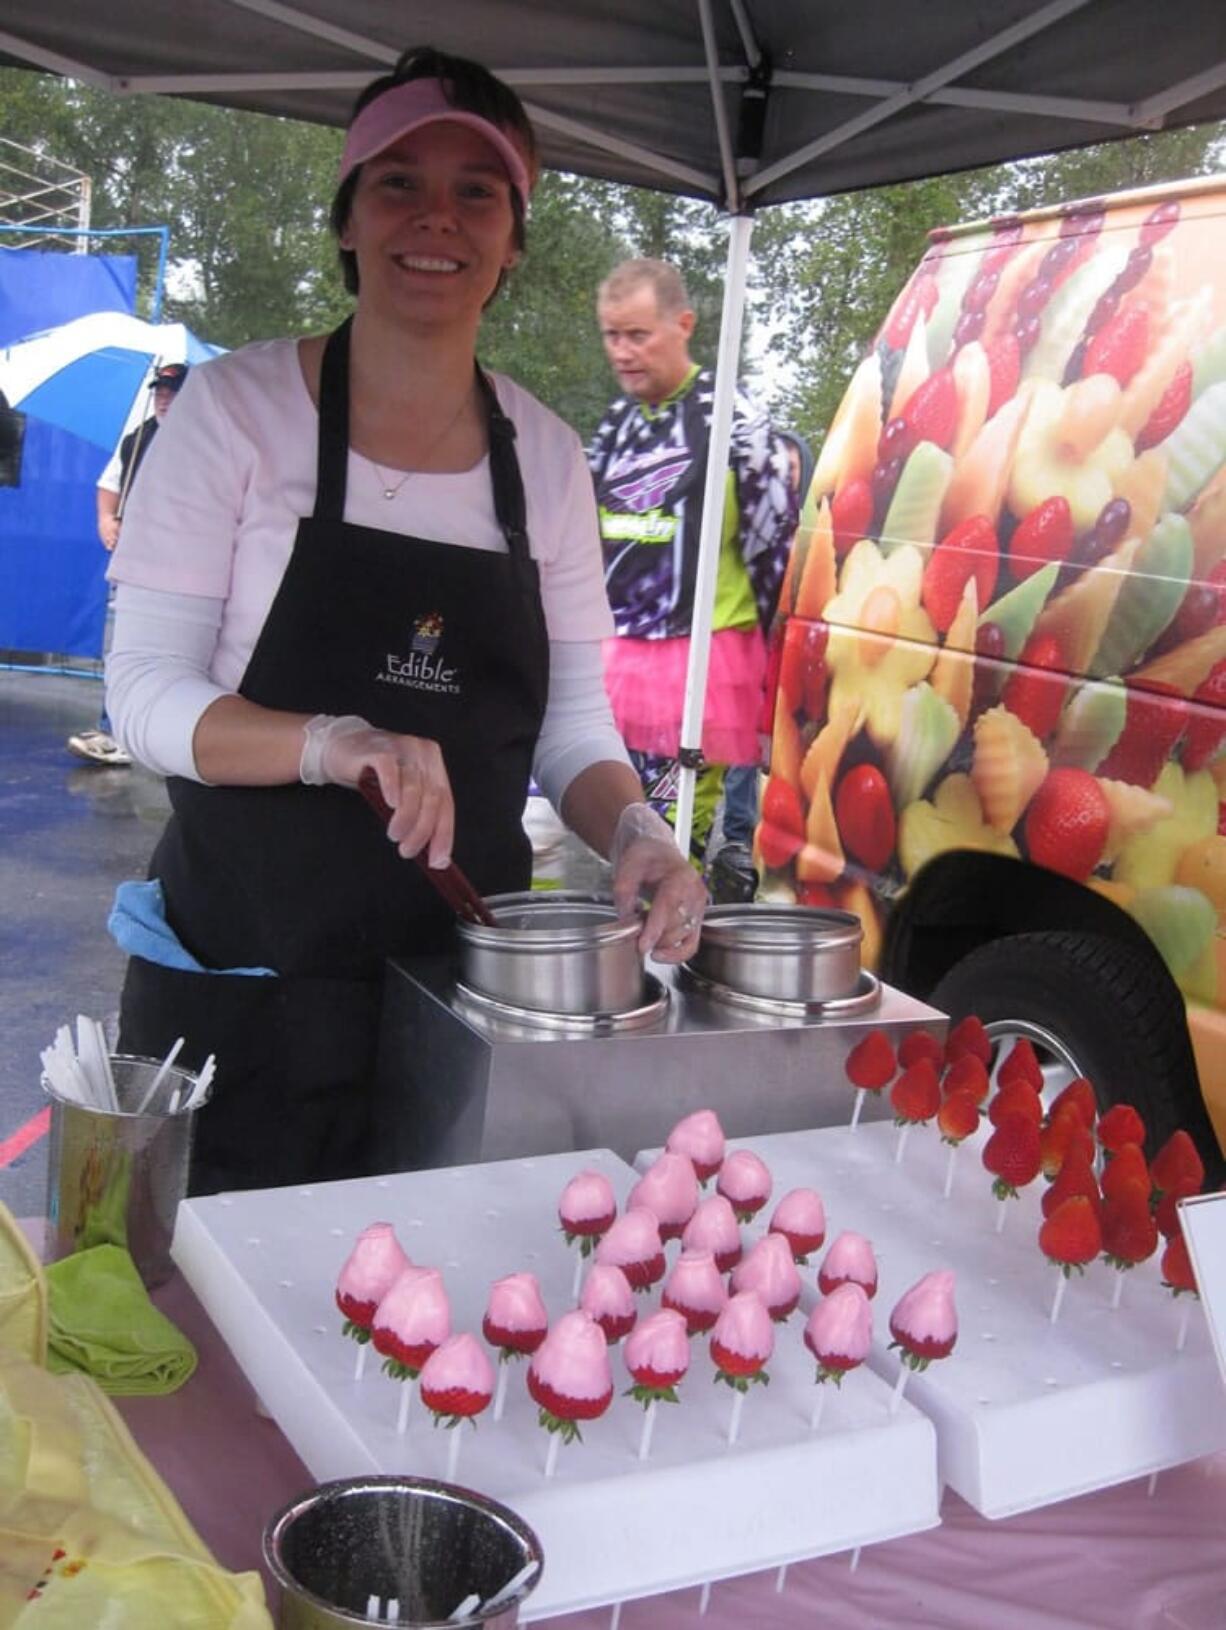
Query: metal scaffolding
[{"x": 44, "y": 203}]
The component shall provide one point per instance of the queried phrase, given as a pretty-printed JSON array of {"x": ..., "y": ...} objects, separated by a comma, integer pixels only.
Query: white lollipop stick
[
  {"x": 374, "y": 1609},
  {"x": 899, "y": 1388},
  {"x": 949, "y": 1171},
  {"x": 1118, "y": 1291},
  {"x": 856, "y": 1108},
  {"x": 453, "y": 1451},
  {"x": 578, "y": 1279},
  {"x": 406, "y": 1399},
  {"x": 615, "y": 1617},
  {"x": 1061, "y": 1283},
  {"x": 505, "y": 1592},
  {"x": 1182, "y": 1335},
  {"x": 855, "y": 1560},
  {"x": 163, "y": 1069},
  {"x": 464, "y": 1608},
  {"x": 500, "y": 1391},
  {"x": 1002, "y": 1207},
  {"x": 393, "y": 1610},
  {"x": 551, "y": 1457},
  {"x": 359, "y": 1368},
  {"x": 901, "y": 1143},
  {"x": 704, "y": 1595},
  {"x": 1151, "y": 1487},
  {"x": 781, "y": 1579},
  {"x": 649, "y": 1422},
  {"x": 734, "y": 1425},
  {"x": 819, "y": 1403}
]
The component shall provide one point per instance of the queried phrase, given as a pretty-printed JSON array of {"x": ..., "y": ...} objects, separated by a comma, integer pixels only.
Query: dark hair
[{"x": 467, "y": 86}]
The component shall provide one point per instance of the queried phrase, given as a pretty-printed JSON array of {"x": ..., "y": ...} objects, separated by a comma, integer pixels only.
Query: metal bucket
[
  {"x": 780, "y": 953},
  {"x": 555, "y": 952},
  {"x": 116, "y": 1178},
  {"x": 428, "y": 1546}
]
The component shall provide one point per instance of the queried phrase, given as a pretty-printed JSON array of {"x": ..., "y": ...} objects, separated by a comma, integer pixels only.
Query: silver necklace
[{"x": 390, "y": 488}]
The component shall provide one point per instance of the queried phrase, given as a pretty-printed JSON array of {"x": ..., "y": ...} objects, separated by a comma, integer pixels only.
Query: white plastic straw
[
  {"x": 1118, "y": 1291},
  {"x": 856, "y": 1108},
  {"x": 1182, "y": 1335},
  {"x": 649, "y": 1422},
  {"x": 467, "y": 1606},
  {"x": 734, "y": 1425},
  {"x": 1061, "y": 1283},
  {"x": 360, "y": 1367},
  {"x": 500, "y": 1391},
  {"x": 505, "y": 1592},
  {"x": 949, "y": 1171},
  {"x": 1002, "y": 1207},
  {"x": 453, "y": 1452},
  {"x": 578, "y": 1278},
  {"x": 163, "y": 1070},
  {"x": 901, "y": 1144},
  {"x": 551, "y": 1455},
  {"x": 406, "y": 1399}
]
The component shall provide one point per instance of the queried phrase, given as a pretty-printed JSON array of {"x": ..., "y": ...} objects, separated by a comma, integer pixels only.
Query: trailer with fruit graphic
[{"x": 1000, "y": 704}]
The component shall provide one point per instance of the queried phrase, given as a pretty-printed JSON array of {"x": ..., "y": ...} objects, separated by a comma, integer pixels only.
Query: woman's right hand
[{"x": 412, "y": 778}]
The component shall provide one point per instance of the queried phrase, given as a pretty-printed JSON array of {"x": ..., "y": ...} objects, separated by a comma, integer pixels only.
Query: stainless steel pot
[
  {"x": 781, "y": 953},
  {"x": 555, "y": 952}
]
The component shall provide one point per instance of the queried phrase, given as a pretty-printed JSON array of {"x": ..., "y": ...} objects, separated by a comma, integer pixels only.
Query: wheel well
[{"x": 962, "y": 900}]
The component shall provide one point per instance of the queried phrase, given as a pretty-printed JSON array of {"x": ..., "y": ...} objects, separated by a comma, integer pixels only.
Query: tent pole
[{"x": 727, "y": 359}]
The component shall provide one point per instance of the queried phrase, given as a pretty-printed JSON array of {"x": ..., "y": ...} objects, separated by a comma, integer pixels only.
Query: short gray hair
[{"x": 672, "y": 296}]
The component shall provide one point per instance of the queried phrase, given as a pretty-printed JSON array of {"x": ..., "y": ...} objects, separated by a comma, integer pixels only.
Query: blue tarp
[{"x": 41, "y": 290}]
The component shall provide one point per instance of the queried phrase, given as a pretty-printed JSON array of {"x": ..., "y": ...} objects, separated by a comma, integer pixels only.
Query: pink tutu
[{"x": 645, "y": 680}]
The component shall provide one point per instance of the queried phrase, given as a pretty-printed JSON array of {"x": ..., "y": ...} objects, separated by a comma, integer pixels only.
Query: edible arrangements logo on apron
[{"x": 425, "y": 667}]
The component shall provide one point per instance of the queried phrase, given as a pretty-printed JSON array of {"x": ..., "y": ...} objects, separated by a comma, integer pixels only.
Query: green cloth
[{"x": 102, "y": 1322}]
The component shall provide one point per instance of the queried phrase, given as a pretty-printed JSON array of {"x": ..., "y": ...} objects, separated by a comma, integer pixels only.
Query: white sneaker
[{"x": 98, "y": 748}]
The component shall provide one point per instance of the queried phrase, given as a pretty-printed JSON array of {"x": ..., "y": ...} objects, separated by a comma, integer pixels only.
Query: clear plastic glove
[
  {"x": 646, "y": 861},
  {"x": 411, "y": 772}
]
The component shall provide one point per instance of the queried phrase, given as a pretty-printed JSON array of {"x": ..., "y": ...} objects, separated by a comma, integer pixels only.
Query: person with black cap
[
  {"x": 99, "y": 746},
  {"x": 360, "y": 553}
]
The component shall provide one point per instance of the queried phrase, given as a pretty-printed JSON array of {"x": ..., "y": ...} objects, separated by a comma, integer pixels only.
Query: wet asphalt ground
[{"x": 69, "y": 832}]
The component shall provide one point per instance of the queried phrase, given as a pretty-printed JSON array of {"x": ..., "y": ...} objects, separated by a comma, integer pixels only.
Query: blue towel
[{"x": 138, "y": 926}]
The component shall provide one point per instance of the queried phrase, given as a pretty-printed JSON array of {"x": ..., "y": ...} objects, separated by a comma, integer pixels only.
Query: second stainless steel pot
[
  {"x": 555, "y": 952},
  {"x": 782, "y": 953}
]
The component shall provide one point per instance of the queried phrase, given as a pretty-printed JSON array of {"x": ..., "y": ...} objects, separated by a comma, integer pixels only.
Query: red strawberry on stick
[
  {"x": 1020, "y": 1061},
  {"x": 633, "y": 1245},
  {"x": 570, "y": 1380},
  {"x": 457, "y": 1383},
  {"x": 838, "y": 1333},
  {"x": 745, "y": 1182},
  {"x": 741, "y": 1345},
  {"x": 1125, "y": 1170},
  {"x": 1070, "y": 1238},
  {"x": 701, "y": 1137},
  {"x": 849, "y": 1260},
  {"x": 1177, "y": 1165},
  {"x": 1063, "y": 1133},
  {"x": 657, "y": 1356},
  {"x": 1016, "y": 1097},
  {"x": 1080, "y": 1094},
  {"x": 968, "y": 1074},
  {"x": 801, "y": 1218},
  {"x": 1130, "y": 1234},
  {"x": 369, "y": 1272},
  {"x": 1013, "y": 1156},
  {"x": 924, "y": 1325},
  {"x": 1177, "y": 1276},
  {"x": 586, "y": 1211},
  {"x": 957, "y": 1118},
  {"x": 714, "y": 1227},
  {"x": 695, "y": 1289},
  {"x": 917, "y": 1044},
  {"x": 869, "y": 1067},
  {"x": 1120, "y": 1126},
  {"x": 915, "y": 1097},
  {"x": 411, "y": 1321},
  {"x": 1076, "y": 1176},
  {"x": 968, "y": 1036},
  {"x": 515, "y": 1322},
  {"x": 607, "y": 1296}
]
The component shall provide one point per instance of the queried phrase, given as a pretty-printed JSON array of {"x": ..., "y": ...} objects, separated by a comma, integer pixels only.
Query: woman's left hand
[{"x": 646, "y": 861}]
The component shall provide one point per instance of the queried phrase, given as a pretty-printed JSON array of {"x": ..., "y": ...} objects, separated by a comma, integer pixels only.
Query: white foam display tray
[
  {"x": 1026, "y": 1412},
  {"x": 264, "y": 1265}
]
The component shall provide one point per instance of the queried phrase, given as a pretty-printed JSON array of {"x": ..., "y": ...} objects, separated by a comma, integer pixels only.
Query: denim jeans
[{"x": 740, "y": 803}]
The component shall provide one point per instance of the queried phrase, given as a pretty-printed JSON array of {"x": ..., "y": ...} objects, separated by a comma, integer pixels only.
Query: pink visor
[{"x": 408, "y": 106}]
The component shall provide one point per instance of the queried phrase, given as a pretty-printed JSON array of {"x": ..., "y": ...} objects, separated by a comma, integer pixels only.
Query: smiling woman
[{"x": 361, "y": 552}]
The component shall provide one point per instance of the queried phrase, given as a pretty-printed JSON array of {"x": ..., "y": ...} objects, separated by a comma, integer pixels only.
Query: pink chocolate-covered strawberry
[
  {"x": 369, "y": 1272},
  {"x": 839, "y": 1331},
  {"x": 657, "y": 1356},
  {"x": 668, "y": 1188},
  {"x": 411, "y": 1321},
  {"x": 633, "y": 1245},
  {"x": 457, "y": 1380},
  {"x": 801, "y": 1218},
  {"x": 607, "y": 1296},
  {"x": 924, "y": 1322},
  {"x": 745, "y": 1181},
  {"x": 569, "y": 1376},
  {"x": 587, "y": 1209},
  {"x": 701, "y": 1137},
  {"x": 515, "y": 1317},
  {"x": 769, "y": 1270},
  {"x": 742, "y": 1341},
  {"x": 849, "y": 1259},
  {"x": 695, "y": 1288},
  {"x": 714, "y": 1228}
]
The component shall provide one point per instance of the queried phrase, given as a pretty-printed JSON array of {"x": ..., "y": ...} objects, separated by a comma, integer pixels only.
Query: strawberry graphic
[
  {"x": 1120, "y": 345},
  {"x": 931, "y": 414},
  {"x": 1063, "y": 1133},
  {"x": 1130, "y": 1234},
  {"x": 1156, "y": 717},
  {"x": 1076, "y": 1176},
  {"x": 1125, "y": 1170},
  {"x": 851, "y": 513},
  {"x": 1021, "y": 1063},
  {"x": 1004, "y": 370},
  {"x": 781, "y": 833},
  {"x": 864, "y": 811},
  {"x": 969, "y": 550},
  {"x": 1035, "y": 690},
  {"x": 1067, "y": 822},
  {"x": 1045, "y": 534},
  {"x": 968, "y": 1036},
  {"x": 1206, "y": 728},
  {"x": 1080, "y": 1094},
  {"x": 1071, "y": 1235},
  {"x": 918, "y": 298},
  {"x": 802, "y": 669},
  {"x": 1175, "y": 402},
  {"x": 1177, "y": 1273},
  {"x": 917, "y": 1044},
  {"x": 916, "y": 1095},
  {"x": 967, "y": 1075},
  {"x": 1177, "y": 1165},
  {"x": 1119, "y": 1126},
  {"x": 871, "y": 1064},
  {"x": 1016, "y": 1097},
  {"x": 1012, "y": 1155},
  {"x": 957, "y": 1118}
]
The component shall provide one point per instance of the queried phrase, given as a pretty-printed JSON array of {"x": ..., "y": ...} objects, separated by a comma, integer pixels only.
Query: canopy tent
[{"x": 742, "y": 102}]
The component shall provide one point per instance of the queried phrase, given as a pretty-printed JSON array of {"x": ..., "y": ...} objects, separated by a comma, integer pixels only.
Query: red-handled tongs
[{"x": 449, "y": 880}]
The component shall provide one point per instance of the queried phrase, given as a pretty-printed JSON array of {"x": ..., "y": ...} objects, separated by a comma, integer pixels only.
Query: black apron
[{"x": 421, "y": 638}]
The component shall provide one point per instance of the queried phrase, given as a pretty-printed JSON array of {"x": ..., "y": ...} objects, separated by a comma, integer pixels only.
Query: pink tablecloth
[{"x": 1123, "y": 1559}]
